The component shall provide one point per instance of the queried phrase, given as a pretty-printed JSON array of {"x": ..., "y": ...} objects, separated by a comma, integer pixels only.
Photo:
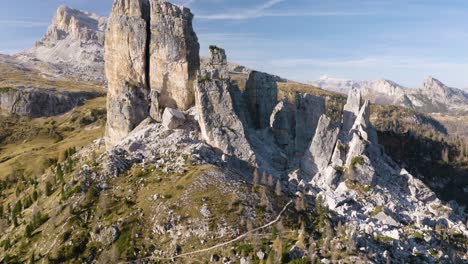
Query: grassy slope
[
  {"x": 27, "y": 143},
  {"x": 15, "y": 76}
]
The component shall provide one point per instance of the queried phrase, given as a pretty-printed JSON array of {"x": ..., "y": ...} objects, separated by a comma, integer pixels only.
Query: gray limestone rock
[
  {"x": 38, "y": 102},
  {"x": 351, "y": 110},
  {"x": 283, "y": 122},
  {"x": 318, "y": 156},
  {"x": 174, "y": 54},
  {"x": 386, "y": 219},
  {"x": 261, "y": 96},
  {"x": 126, "y": 69},
  {"x": 220, "y": 126},
  {"x": 309, "y": 109},
  {"x": 172, "y": 118},
  {"x": 216, "y": 67}
]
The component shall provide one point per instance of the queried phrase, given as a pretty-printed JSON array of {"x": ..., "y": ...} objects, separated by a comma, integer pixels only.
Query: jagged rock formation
[
  {"x": 261, "y": 95},
  {"x": 436, "y": 91},
  {"x": 361, "y": 183},
  {"x": 220, "y": 126},
  {"x": 309, "y": 109},
  {"x": 148, "y": 44},
  {"x": 351, "y": 110},
  {"x": 126, "y": 69},
  {"x": 216, "y": 66},
  {"x": 283, "y": 124},
  {"x": 73, "y": 45},
  {"x": 166, "y": 179},
  {"x": 320, "y": 151},
  {"x": 174, "y": 55},
  {"x": 39, "y": 102}
]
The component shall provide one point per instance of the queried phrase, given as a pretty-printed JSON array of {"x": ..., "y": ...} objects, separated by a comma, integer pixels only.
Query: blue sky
[{"x": 400, "y": 40}]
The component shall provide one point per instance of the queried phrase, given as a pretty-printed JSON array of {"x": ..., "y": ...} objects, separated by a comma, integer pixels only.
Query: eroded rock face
[
  {"x": 126, "y": 68},
  {"x": 318, "y": 156},
  {"x": 261, "y": 96},
  {"x": 351, "y": 109},
  {"x": 78, "y": 24},
  {"x": 309, "y": 109},
  {"x": 73, "y": 45},
  {"x": 38, "y": 102},
  {"x": 174, "y": 55},
  {"x": 148, "y": 42},
  {"x": 220, "y": 126},
  {"x": 283, "y": 123},
  {"x": 216, "y": 65}
]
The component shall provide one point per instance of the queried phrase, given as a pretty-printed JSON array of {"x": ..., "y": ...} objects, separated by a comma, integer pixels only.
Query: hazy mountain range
[{"x": 432, "y": 96}]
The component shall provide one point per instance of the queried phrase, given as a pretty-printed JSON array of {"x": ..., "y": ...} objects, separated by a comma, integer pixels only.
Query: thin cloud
[
  {"x": 250, "y": 13},
  {"x": 23, "y": 23}
]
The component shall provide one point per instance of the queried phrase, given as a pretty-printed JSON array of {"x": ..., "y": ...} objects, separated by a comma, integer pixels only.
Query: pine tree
[
  {"x": 278, "y": 190},
  {"x": 255, "y": 177},
  {"x": 271, "y": 181},
  {"x": 264, "y": 179},
  {"x": 278, "y": 248},
  {"x": 48, "y": 188},
  {"x": 59, "y": 173}
]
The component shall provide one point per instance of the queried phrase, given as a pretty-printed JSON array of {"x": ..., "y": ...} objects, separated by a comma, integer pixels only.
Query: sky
[{"x": 400, "y": 40}]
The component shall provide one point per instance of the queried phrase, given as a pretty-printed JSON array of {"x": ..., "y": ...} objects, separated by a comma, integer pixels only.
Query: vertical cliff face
[
  {"x": 261, "y": 96},
  {"x": 126, "y": 68},
  {"x": 174, "y": 55},
  {"x": 152, "y": 58}
]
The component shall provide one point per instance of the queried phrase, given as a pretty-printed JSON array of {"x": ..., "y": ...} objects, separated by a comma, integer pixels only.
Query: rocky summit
[
  {"x": 152, "y": 62},
  {"x": 72, "y": 46},
  {"x": 202, "y": 160}
]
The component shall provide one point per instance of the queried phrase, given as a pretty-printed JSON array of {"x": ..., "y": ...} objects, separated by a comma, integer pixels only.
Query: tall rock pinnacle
[
  {"x": 126, "y": 69},
  {"x": 174, "y": 55},
  {"x": 152, "y": 57}
]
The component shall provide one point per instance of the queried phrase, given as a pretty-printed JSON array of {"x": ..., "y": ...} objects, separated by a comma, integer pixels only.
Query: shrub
[
  {"x": 213, "y": 47},
  {"x": 343, "y": 148},
  {"x": 376, "y": 211},
  {"x": 244, "y": 249},
  {"x": 357, "y": 160},
  {"x": 48, "y": 188},
  {"x": 339, "y": 169},
  {"x": 204, "y": 79}
]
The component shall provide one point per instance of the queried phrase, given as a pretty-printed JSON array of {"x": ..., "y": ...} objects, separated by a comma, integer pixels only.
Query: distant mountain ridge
[
  {"x": 73, "y": 45},
  {"x": 433, "y": 96}
]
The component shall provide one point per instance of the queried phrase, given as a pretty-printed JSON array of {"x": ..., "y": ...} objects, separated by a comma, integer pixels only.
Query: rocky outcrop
[
  {"x": 174, "y": 55},
  {"x": 126, "y": 69},
  {"x": 172, "y": 118},
  {"x": 220, "y": 126},
  {"x": 318, "y": 156},
  {"x": 261, "y": 96},
  {"x": 79, "y": 25},
  {"x": 216, "y": 66},
  {"x": 283, "y": 123},
  {"x": 73, "y": 45},
  {"x": 39, "y": 102},
  {"x": 309, "y": 109},
  {"x": 436, "y": 91},
  {"x": 351, "y": 110},
  {"x": 148, "y": 44}
]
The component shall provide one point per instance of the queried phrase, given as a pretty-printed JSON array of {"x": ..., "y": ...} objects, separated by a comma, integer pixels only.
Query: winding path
[{"x": 224, "y": 243}]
